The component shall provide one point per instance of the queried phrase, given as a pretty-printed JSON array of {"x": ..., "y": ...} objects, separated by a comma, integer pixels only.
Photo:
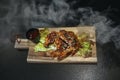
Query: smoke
[
  {"x": 24, "y": 14},
  {"x": 104, "y": 28},
  {"x": 101, "y": 22},
  {"x": 58, "y": 13}
]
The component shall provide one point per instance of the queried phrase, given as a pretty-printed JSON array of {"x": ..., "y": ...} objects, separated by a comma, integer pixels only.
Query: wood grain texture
[
  {"x": 40, "y": 57},
  {"x": 24, "y": 44}
]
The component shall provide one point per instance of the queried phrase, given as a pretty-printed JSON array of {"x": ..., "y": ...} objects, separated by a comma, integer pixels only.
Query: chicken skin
[{"x": 66, "y": 43}]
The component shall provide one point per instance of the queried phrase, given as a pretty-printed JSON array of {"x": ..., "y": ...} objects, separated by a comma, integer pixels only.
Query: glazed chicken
[{"x": 66, "y": 43}]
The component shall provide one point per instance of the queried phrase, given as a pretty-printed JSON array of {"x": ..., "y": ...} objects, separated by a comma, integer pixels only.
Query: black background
[{"x": 13, "y": 65}]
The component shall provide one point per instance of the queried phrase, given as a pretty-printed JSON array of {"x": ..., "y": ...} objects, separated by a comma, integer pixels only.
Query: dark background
[{"x": 13, "y": 65}]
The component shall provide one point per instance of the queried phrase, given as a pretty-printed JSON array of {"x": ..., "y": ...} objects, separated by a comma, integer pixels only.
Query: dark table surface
[
  {"x": 13, "y": 64},
  {"x": 15, "y": 67}
]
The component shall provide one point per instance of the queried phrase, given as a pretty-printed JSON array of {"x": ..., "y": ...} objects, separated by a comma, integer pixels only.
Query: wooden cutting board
[{"x": 39, "y": 58}]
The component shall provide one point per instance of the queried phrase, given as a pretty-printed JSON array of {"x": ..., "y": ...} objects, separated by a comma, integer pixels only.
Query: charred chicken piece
[
  {"x": 71, "y": 39},
  {"x": 61, "y": 47},
  {"x": 60, "y": 44},
  {"x": 64, "y": 54},
  {"x": 66, "y": 43},
  {"x": 50, "y": 39}
]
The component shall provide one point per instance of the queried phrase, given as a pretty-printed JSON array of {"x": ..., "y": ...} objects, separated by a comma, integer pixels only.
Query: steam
[
  {"x": 105, "y": 31},
  {"x": 101, "y": 22},
  {"x": 23, "y": 15}
]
